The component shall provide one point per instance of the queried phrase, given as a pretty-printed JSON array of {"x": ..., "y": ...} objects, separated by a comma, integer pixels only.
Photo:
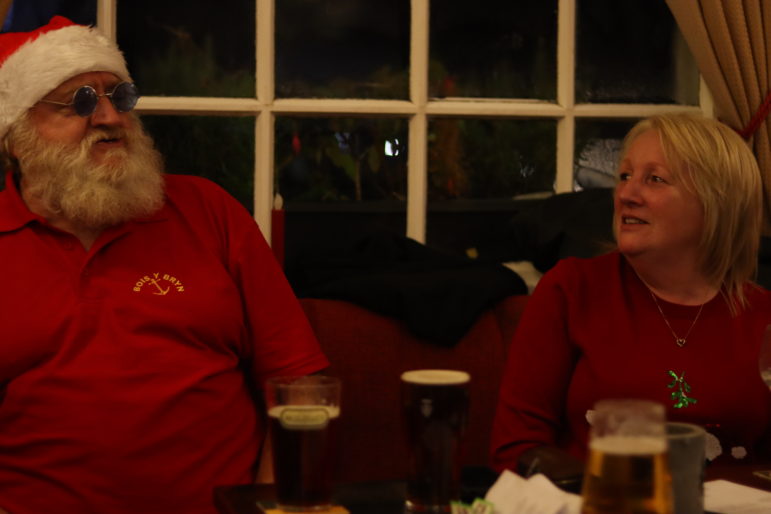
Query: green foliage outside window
[
  {"x": 341, "y": 159},
  {"x": 218, "y": 148}
]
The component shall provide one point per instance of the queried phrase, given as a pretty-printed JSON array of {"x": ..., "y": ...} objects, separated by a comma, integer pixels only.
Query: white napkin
[{"x": 535, "y": 495}]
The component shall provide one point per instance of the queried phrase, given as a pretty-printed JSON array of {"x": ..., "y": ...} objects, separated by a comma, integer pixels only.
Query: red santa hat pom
[{"x": 34, "y": 63}]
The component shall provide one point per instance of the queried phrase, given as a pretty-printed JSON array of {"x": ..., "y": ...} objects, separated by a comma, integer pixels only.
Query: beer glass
[
  {"x": 764, "y": 364},
  {"x": 764, "y": 358},
  {"x": 435, "y": 410},
  {"x": 687, "y": 460},
  {"x": 627, "y": 469},
  {"x": 303, "y": 414}
]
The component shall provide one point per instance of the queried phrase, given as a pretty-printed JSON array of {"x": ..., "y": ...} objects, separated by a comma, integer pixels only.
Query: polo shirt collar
[{"x": 14, "y": 213}]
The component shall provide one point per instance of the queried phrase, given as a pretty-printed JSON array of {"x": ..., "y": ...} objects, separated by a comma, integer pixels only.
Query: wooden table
[
  {"x": 741, "y": 474},
  {"x": 361, "y": 498},
  {"x": 388, "y": 497}
]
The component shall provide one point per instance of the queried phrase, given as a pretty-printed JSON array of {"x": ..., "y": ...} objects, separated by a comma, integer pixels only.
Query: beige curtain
[{"x": 731, "y": 41}]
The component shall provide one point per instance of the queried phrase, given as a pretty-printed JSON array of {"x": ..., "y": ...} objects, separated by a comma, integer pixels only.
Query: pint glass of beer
[
  {"x": 303, "y": 414},
  {"x": 627, "y": 469},
  {"x": 435, "y": 410}
]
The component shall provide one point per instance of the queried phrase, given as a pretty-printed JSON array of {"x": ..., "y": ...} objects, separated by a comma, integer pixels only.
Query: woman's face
[{"x": 654, "y": 215}]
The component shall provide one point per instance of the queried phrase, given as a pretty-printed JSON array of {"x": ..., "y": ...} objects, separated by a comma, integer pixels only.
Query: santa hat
[{"x": 34, "y": 63}]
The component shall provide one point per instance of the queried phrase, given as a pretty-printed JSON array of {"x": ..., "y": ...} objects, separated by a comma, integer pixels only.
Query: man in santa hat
[{"x": 140, "y": 313}]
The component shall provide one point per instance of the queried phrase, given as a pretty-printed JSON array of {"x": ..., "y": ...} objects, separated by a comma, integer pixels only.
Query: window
[{"x": 424, "y": 117}]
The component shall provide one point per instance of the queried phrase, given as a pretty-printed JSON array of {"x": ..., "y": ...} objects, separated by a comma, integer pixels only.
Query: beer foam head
[
  {"x": 436, "y": 377},
  {"x": 628, "y": 417},
  {"x": 629, "y": 445},
  {"x": 332, "y": 411}
]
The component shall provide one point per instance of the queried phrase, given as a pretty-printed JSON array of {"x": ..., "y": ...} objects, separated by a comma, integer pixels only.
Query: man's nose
[{"x": 105, "y": 113}]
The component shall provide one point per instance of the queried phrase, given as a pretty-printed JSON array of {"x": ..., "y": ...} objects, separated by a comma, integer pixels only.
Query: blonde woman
[{"x": 671, "y": 315}]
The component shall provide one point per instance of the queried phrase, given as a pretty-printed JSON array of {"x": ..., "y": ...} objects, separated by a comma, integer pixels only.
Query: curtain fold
[{"x": 731, "y": 42}]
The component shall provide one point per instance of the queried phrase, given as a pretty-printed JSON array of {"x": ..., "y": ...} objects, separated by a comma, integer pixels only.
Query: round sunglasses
[{"x": 124, "y": 97}]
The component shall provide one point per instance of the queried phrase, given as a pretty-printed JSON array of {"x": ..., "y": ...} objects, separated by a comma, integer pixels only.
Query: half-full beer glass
[
  {"x": 627, "y": 470},
  {"x": 303, "y": 414},
  {"x": 435, "y": 406}
]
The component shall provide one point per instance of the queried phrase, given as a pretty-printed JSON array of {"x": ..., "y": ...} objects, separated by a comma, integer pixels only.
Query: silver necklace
[{"x": 680, "y": 341}]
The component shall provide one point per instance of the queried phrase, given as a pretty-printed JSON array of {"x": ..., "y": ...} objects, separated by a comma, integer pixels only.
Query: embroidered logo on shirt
[{"x": 159, "y": 284}]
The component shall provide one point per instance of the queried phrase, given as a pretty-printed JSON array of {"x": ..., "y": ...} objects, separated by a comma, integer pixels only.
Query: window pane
[
  {"x": 477, "y": 168},
  {"x": 340, "y": 178},
  {"x": 342, "y": 49},
  {"x": 598, "y": 147},
  {"x": 493, "y": 49},
  {"x": 194, "y": 51},
  {"x": 632, "y": 52},
  {"x": 24, "y": 15},
  {"x": 218, "y": 148}
]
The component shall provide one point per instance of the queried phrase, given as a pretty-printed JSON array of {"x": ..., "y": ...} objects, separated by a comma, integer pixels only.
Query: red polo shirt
[{"x": 122, "y": 384}]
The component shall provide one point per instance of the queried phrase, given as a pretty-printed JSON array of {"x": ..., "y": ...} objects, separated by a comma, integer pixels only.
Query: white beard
[{"x": 65, "y": 181}]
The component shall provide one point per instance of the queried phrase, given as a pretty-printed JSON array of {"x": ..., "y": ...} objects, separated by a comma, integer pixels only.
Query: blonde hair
[{"x": 713, "y": 162}]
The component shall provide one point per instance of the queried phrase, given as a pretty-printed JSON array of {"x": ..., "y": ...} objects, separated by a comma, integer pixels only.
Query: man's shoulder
[
  {"x": 199, "y": 199},
  {"x": 191, "y": 185},
  {"x": 196, "y": 192}
]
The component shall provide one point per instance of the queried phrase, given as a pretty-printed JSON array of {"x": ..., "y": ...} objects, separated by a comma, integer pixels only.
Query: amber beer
[
  {"x": 435, "y": 405},
  {"x": 303, "y": 416},
  {"x": 627, "y": 475}
]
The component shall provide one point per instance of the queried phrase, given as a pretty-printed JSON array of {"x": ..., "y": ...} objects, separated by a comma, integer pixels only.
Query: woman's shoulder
[
  {"x": 577, "y": 273},
  {"x": 589, "y": 266},
  {"x": 758, "y": 298}
]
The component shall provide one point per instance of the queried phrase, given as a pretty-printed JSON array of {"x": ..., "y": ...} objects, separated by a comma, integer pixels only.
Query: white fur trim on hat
[{"x": 41, "y": 65}]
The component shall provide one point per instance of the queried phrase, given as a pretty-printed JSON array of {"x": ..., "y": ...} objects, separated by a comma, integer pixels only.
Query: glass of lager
[
  {"x": 303, "y": 414},
  {"x": 627, "y": 469},
  {"x": 435, "y": 410}
]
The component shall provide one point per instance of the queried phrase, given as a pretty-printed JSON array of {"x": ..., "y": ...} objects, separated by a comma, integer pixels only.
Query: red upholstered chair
[{"x": 369, "y": 352}]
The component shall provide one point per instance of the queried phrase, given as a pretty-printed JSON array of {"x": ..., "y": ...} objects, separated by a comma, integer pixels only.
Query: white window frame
[{"x": 418, "y": 109}]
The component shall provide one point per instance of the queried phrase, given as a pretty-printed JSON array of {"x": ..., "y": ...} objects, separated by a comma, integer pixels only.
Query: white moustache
[{"x": 98, "y": 135}]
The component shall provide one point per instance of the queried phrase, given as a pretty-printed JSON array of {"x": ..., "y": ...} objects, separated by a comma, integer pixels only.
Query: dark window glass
[
  {"x": 26, "y": 15},
  {"x": 341, "y": 160},
  {"x": 340, "y": 179},
  {"x": 218, "y": 148},
  {"x": 336, "y": 49},
  {"x": 597, "y": 151},
  {"x": 477, "y": 168},
  {"x": 493, "y": 49},
  {"x": 203, "y": 49},
  {"x": 632, "y": 52}
]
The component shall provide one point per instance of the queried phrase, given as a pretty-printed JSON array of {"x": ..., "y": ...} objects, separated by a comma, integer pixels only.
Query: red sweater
[{"x": 592, "y": 330}]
